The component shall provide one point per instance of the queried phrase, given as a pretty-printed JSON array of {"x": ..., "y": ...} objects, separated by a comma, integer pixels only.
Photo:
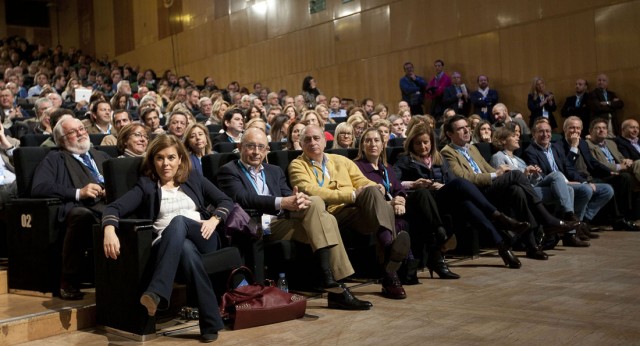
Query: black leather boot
[{"x": 436, "y": 263}]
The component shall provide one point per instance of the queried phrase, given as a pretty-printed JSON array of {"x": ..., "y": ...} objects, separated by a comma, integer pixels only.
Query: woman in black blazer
[
  {"x": 541, "y": 103},
  {"x": 176, "y": 198}
]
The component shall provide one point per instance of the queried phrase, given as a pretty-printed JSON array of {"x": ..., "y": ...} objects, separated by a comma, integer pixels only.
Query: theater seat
[{"x": 33, "y": 240}]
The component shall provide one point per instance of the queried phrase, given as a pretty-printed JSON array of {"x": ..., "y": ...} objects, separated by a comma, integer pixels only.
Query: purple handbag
[{"x": 240, "y": 223}]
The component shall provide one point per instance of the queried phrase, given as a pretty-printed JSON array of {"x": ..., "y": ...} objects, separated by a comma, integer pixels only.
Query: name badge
[
  {"x": 265, "y": 221},
  {"x": 545, "y": 113}
]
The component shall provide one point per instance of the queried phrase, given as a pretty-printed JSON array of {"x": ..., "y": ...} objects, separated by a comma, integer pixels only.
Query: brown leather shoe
[
  {"x": 392, "y": 288},
  {"x": 573, "y": 241}
]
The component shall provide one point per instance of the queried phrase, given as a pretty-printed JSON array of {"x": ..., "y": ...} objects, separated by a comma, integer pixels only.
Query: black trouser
[{"x": 77, "y": 238}]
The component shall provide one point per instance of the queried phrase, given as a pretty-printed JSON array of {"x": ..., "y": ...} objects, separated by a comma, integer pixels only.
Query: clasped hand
[{"x": 297, "y": 201}]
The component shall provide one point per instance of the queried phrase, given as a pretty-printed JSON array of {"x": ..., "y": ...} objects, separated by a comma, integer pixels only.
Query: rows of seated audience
[{"x": 415, "y": 181}]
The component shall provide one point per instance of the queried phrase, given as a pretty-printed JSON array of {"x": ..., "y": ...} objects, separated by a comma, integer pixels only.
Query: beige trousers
[{"x": 318, "y": 228}]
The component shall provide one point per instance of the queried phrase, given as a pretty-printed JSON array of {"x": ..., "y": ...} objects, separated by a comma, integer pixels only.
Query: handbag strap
[{"x": 242, "y": 269}]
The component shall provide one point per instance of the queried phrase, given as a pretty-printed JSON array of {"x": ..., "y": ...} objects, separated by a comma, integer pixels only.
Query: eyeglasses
[
  {"x": 345, "y": 134},
  {"x": 80, "y": 130},
  {"x": 254, "y": 146},
  {"x": 140, "y": 135}
]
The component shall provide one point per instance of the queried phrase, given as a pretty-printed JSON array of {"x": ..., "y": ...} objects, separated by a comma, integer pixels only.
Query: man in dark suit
[
  {"x": 576, "y": 151},
  {"x": 289, "y": 214},
  {"x": 628, "y": 141},
  {"x": 605, "y": 103},
  {"x": 232, "y": 124},
  {"x": 578, "y": 104},
  {"x": 456, "y": 95},
  {"x": 484, "y": 99},
  {"x": 74, "y": 175},
  {"x": 509, "y": 190},
  {"x": 588, "y": 198}
]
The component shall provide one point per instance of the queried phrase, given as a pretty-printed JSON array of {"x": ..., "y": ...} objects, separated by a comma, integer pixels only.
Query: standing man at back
[{"x": 412, "y": 88}]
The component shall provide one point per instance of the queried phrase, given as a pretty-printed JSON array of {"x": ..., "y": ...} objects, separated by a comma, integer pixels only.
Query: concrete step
[{"x": 26, "y": 318}]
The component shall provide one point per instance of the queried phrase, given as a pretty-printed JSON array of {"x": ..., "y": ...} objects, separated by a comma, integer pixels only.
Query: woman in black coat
[{"x": 176, "y": 199}]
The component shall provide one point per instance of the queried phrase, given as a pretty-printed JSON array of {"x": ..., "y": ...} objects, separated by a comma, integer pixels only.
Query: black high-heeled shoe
[
  {"x": 436, "y": 263},
  {"x": 509, "y": 258}
]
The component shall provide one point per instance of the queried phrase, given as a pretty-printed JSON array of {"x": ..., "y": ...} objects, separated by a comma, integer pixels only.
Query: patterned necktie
[
  {"x": 474, "y": 165},
  {"x": 86, "y": 159}
]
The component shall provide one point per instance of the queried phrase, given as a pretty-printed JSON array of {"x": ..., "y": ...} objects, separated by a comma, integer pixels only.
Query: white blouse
[{"x": 173, "y": 202}]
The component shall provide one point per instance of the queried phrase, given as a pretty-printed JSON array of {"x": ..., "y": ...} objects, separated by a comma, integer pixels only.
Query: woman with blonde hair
[
  {"x": 198, "y": 143},
  {"x": 541, "y": 103},
  {"x": 217, "y": 112},
  {"x": 323, "y": 112},
  {"x": 359, "y": 124},
  {"x": 343, "y": 137}
]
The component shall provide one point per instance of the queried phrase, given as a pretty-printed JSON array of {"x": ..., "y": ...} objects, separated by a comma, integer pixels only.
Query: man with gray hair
[
  {"x": 73, "y": 174},
  {"x": 356, "y": 202}
]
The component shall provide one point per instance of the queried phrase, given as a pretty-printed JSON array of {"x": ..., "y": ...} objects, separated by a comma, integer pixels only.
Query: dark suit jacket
[
  {"x": 479, "y": 102},
  {"x": 582, "y": 111},
  {"x": 52, "y": 179},
  {"x": 599, "y": 110},
  {"x": 595, "y": 168},
  {"x": 145, "y": 197},
  {"x": 536, "y": 110},
  {"x": 626, "y": 148},
  {"x": 220, "y": 138},
  {"x": 408, "y": 169},
  {"x": 233, "y": 181},
  {"x": 534, "y": 155},
  {"x": 450, "y": 100}
]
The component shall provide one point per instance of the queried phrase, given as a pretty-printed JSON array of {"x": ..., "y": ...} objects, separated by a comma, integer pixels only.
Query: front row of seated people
[{"x": 402, "y": 207}]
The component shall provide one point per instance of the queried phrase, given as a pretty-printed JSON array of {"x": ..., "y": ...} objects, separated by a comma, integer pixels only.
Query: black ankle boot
[{"x": 436, "y": 263}]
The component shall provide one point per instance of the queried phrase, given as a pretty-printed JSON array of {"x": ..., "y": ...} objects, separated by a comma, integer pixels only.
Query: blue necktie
[
  {"x": 87, "y": 162},
  {"x": 607, "y": 153},
  {"x": 474, "y": 165}
]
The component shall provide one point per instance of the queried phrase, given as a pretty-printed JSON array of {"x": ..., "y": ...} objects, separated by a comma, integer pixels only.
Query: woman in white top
[{"x": 176, "y": 198}]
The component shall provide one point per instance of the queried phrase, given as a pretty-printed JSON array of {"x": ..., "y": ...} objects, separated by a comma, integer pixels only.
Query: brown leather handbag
[{"x": 256, "y": 305}]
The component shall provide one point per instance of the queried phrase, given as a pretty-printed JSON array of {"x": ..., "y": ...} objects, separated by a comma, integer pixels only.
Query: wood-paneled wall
[{"x": 357, "y": 49}]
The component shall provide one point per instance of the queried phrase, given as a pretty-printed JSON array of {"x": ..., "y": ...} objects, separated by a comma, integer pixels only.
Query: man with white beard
[{"x": 73, "y": 174}]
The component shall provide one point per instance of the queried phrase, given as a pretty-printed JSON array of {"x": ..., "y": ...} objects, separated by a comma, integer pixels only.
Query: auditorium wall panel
[{"x": 357, "y": 49}]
